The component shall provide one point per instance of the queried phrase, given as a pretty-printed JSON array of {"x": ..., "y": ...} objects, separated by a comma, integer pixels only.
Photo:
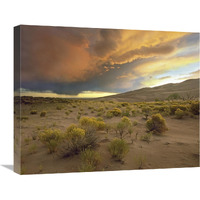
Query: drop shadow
[{"x": 10, "y": 167}]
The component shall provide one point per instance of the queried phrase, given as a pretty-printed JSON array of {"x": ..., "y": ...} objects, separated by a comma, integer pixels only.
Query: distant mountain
[{"x": 188, "y": 89}]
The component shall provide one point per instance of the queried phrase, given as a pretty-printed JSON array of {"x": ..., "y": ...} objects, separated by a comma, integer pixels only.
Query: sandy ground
[{"x": 178, "y": 147}]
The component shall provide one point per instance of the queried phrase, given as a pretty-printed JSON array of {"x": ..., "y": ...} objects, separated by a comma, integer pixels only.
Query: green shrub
[
  {"x": 194, "y": 108},
  {"x": 51, "y": 138},
  {"x": 156, "y": 124},
  {"x": 118, "y": 149},
  {"x": 179, "y": 113},
  {"x": 33, "y": 112},
  {"x": 90, "y": 160},
  {"x": 43, "y": 114}
]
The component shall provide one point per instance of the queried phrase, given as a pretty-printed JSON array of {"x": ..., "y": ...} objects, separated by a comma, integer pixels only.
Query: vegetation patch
[
  {"x": 118, "y": 149},
  {"x": 156, "y": 124}
]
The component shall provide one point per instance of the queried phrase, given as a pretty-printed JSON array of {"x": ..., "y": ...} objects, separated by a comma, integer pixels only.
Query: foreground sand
[{"x": 178, "y": 147}]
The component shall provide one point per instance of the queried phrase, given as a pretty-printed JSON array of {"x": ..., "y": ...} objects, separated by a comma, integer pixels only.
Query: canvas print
[{"x": 88, "y": 99}]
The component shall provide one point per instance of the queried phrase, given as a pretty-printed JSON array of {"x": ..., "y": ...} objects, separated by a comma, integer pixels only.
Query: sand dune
[{"x": 188, "y": 89}]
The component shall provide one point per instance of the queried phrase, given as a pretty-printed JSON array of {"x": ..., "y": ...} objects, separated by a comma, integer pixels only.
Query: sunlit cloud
[{"x": 84, "y": 94}]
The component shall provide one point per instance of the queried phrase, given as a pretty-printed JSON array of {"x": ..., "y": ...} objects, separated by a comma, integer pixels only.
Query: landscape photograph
[{"x": 90, "y": 99}]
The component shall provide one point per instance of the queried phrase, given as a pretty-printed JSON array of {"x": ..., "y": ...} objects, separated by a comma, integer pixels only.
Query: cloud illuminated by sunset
[{"x": 84, "y": 63}]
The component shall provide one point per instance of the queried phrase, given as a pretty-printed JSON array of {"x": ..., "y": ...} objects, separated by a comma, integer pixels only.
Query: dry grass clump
[
  {"x": 118, "y": 149},
  {"x": 32, "y": 149},
  {"x": 156, "y": 124},
  {"x": 146, "y": 111},
  {"x": 90, "y": 160},
  {"x": 146, "y": 137}
]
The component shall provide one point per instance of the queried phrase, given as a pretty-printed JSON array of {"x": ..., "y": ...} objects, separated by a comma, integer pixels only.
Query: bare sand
[{"x": 178, "y": 147}]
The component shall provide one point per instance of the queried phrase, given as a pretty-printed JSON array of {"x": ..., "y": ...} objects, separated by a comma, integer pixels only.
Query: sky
[{"x": 88, "y": 62}]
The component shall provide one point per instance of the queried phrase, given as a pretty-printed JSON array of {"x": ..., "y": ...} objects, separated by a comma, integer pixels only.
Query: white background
[{"x": 172, "y": 15}]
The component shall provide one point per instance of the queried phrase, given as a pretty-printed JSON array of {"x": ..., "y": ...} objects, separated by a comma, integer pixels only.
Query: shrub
[
  {"x": 58, "y": 107},
  {"x": 43, "y": 114},
  {"x": 33, "y": 112},
  {"x": 173, "y": 108},
  {"x": 32, "y": 149},
  {"x": 135, "y": 123},
  {"x": 89, "y": 124},
  {"x": 99, "y": 119},
  {"x": 123, "y": 126},
  {"x": 115, "y": 112},
  {"x": 101, "y": 109},
  {"x": 67, "y": 113},
  {"x": 90, "y": 159},
  {"x": 126, "y": 113},
  {"x": 107, "y": 128},
  {"x": 133, "y": 112},
  {"x": 77, "y": 139},
  {"x": 109, "y": 114},
  {"x": 23, "y": 118},
  {"x": 156, "y": 124},
  {"x": 146, "y": 111},
  {"x": 124, "y": 104},
  {"x": 140, "y": 161},
  {"x": 174, "y": 96},
  {"x": 146, "y": 137},
  {"x": 179, "y": 113},
  {"x": 118, "y": 149},
  {"x": 27, "y": 140},
  {"x": 101, "y": 125},
  {"x": 51, "y": 138},
  {"x": 126, "y": 120},
  {"x": 194, "y": 108}
]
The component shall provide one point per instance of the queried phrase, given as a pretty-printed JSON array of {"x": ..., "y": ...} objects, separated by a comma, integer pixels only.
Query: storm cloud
[{"x": 67, "y": 60}]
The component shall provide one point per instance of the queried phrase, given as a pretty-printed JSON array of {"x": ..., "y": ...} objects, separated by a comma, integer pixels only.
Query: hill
[{"x": 188, "y": 89}]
